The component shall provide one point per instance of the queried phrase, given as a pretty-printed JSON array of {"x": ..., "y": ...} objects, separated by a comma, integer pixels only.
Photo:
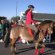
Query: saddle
[{"x": 30, "y": 31}]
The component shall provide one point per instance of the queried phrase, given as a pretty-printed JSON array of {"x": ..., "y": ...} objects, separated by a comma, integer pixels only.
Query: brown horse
[{"x": 22, "y": 32}]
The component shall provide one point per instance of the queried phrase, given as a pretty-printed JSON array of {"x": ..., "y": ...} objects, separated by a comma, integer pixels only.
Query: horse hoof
[
  {"x": 42, "y": 50},
  {"x": 36, "y": 52}
]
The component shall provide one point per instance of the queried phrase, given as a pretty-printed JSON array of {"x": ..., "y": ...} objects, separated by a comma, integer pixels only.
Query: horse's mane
[{"x": 46, "y": 22}]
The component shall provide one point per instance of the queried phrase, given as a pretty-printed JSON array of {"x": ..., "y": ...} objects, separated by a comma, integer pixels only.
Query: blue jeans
[{"x": 1, "y": 35}]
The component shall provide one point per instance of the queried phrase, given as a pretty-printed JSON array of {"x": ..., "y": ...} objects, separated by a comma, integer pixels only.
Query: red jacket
[{"x": 29, "y": 17}]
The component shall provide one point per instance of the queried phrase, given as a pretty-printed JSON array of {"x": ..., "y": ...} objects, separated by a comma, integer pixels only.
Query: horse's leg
[
  {"x": 36, "y": 48},
  {"x": 40, "y": 38},
  {"x": 13, "y": 41},
  {"x": 42, "y": 50},
  {"x": 13, "y": 47}
]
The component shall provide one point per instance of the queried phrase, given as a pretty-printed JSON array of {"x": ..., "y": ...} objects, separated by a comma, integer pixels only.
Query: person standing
[
  {"x": 1, "y": 32},
  {"x": 5, "y": 28}
]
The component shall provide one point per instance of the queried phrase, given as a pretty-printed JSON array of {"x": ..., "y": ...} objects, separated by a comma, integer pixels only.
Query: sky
[{"x": 8, "y": 7}]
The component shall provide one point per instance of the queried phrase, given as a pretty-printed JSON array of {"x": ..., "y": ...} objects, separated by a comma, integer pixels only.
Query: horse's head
[
  {"x": 47, "y": 25},
  {"x": 50, "y": 27},
  {"x": 49, "y": 30}
]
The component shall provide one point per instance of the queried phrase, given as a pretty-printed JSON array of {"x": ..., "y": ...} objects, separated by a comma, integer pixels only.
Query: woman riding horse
[{"x": 22, "y": 32}]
